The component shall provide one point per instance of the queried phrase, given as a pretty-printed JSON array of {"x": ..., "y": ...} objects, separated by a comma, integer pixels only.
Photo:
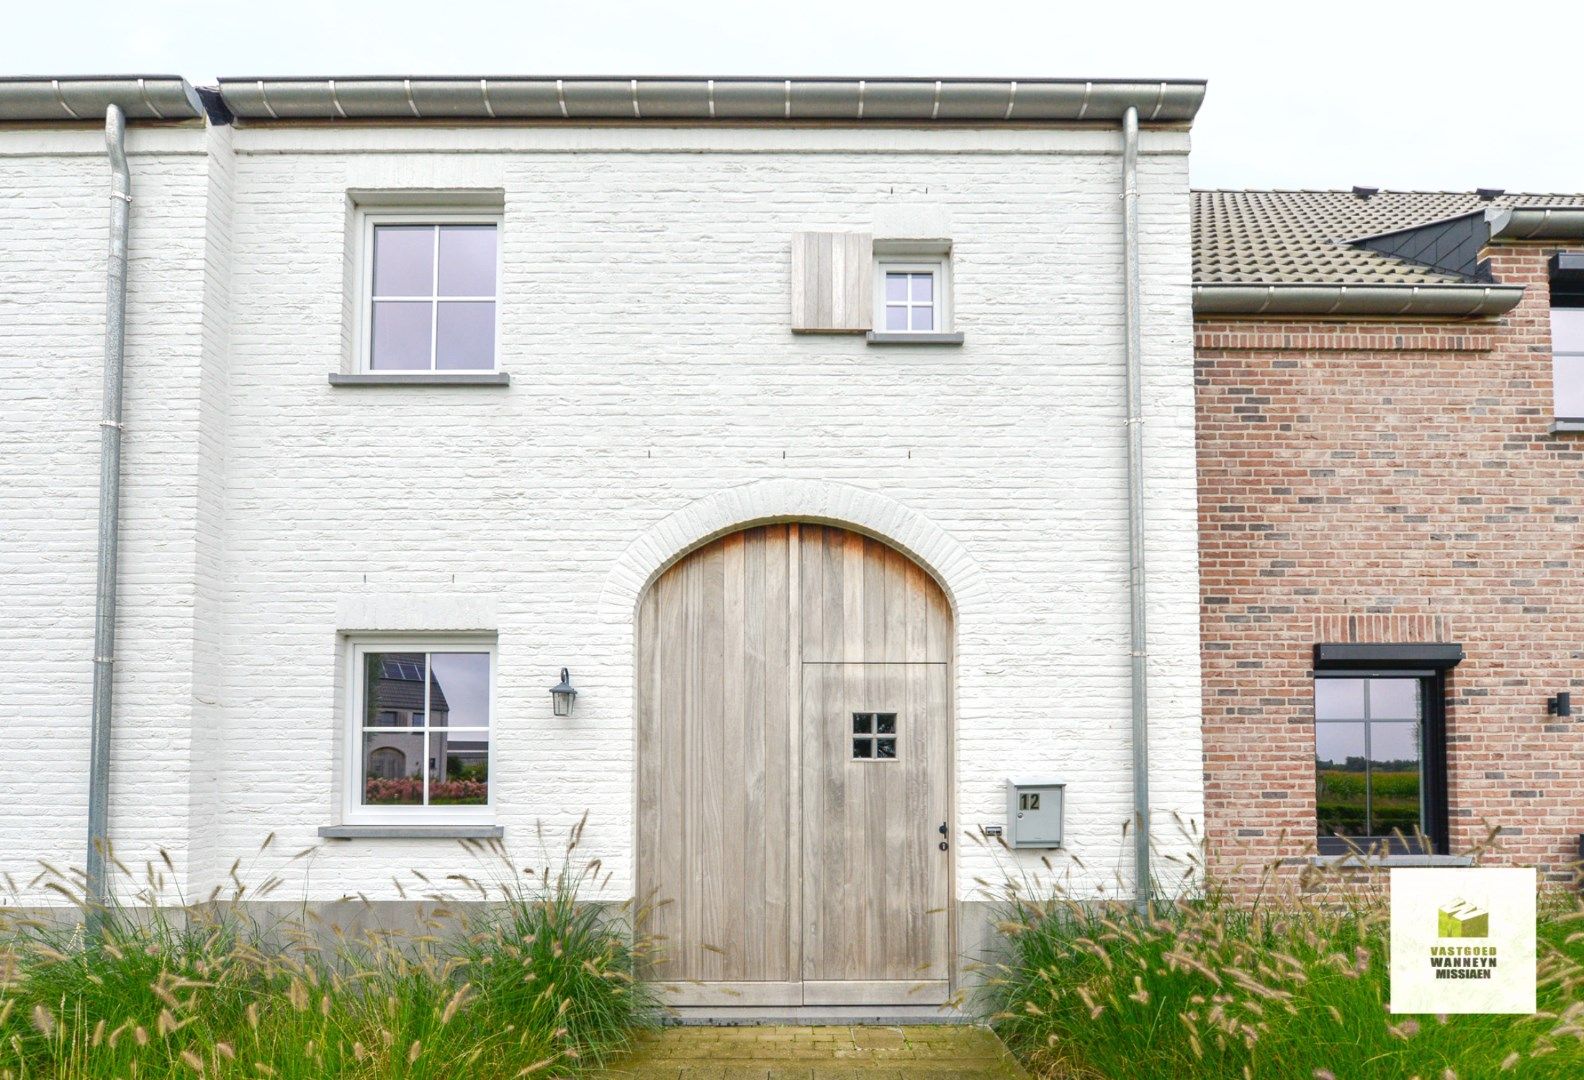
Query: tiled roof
[{"x": 1300, "y": 237}]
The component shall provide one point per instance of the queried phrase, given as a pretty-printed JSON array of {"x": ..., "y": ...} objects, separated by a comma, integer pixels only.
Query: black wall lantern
[
  {"x": 562, "y": 695},
  {"x": 1561, "y": 705}
]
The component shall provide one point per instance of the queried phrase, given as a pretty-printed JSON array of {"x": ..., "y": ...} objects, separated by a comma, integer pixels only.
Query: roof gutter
[
  {"x": 665, "y": 99},
  {"x": 1537, "y": 223},
  {"x": 85, "y": 98},
  {"x": 1379, "y": 301}
]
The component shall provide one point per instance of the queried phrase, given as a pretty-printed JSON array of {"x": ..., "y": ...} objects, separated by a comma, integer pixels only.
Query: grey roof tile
[{"x": 1301, "y": 237}]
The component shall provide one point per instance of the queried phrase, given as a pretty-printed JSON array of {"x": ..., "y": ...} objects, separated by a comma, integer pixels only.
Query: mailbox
[{"x": 1034, "y": 812}]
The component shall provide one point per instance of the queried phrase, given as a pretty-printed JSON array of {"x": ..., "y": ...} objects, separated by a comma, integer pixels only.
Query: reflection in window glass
[
  {"x": 1368, "y": 757},
  {"x": 1394, "y": 699},
  {"x": 1394, "y": 778},
  {"x": 868, "y": 743},
  {"x": 1340, "y": 779},
  {"x": 393, "y": 768},
  {"x": 426, "y": 729}
]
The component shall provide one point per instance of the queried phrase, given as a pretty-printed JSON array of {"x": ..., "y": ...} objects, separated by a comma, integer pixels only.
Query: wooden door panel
[
  {"x": 784, "y": 871},
  {"x": 878, "y": 910},
  {"x": 716, "y": 715},
  {"x": 864, "y": 601}
]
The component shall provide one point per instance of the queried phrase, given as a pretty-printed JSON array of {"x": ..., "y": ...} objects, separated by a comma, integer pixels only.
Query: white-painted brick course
[{"x": 657, "y": 398}]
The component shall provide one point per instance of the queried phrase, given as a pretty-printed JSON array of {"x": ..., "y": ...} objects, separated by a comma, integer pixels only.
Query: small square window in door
[{"x": 874, "y": 736}]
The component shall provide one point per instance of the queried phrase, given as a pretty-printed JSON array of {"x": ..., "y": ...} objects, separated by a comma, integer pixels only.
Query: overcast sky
[{"x": 1434, "y": 94}]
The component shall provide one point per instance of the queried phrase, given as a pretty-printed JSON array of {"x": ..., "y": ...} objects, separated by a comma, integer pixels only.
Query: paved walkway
[{"x": 934, "y": 1052}]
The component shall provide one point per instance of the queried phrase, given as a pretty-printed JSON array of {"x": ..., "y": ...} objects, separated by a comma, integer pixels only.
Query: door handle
[{"x": 944, "y": 846}]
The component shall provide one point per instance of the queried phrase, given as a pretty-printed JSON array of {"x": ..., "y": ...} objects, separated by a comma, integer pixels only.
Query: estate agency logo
[{"x": 1462, "y": 941}]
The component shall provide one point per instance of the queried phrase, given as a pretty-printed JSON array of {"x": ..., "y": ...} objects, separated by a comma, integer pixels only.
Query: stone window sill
[
  {"x": 1561, "y": 427},
  {"x": 1354, "y": 862},
  {"x": 878, "y": 337},
  {"x": 420, "y": 378},
  {"x": 411, "y": 832}
]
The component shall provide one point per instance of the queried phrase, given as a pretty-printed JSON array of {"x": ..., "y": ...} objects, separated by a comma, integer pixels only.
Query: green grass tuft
[
  {"x": 1295, "y": 988},
  {"x": 532, "y": 983}
]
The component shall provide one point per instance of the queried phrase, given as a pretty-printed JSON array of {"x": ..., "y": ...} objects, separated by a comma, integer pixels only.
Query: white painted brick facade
[{"x": 656, "y": 397}]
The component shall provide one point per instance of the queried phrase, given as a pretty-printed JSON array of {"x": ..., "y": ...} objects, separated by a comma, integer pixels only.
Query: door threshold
[{"x": 813, "y": 1015}]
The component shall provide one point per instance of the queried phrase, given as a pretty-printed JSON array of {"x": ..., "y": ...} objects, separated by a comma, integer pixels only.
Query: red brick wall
[{"x": 1391, "y": 482}]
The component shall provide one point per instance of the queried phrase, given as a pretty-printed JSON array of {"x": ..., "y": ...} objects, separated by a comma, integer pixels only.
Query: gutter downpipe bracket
[
  {"x": 97, "y": 892},
  {"x": 1139, "y": 638}
]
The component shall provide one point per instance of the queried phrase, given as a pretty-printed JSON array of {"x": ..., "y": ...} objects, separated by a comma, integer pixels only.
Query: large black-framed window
[{"x": 1380, "y": 748}]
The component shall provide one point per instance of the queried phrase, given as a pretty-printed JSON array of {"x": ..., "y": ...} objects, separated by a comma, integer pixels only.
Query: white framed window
[
  {"x": 429, "y": 291},
  {"x": 421, "y": 714},
  {"x": 912, "y": 296}
]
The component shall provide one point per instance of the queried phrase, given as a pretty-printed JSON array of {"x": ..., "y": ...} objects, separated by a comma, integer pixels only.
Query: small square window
[
  {"x": 912, "y": 296},
  {"x": 430, "y": 299},
  {"x": 910, "y": 300},
  {"x": 869, "y": 736},
  {"x": 420, "y": 744}
]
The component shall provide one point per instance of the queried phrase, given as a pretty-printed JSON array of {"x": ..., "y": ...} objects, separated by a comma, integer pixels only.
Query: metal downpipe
[
  {"x": 1133, "y": 349},
  {"x": 109, "y": 518}
]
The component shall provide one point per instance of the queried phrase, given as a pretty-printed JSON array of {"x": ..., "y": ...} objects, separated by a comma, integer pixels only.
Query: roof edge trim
[
  {"x": 1537, "y": 223},
  {"x": 663, "y": 99},
  {"x": 85, "y": 97},
  {"x": 1431, "y": 301}
]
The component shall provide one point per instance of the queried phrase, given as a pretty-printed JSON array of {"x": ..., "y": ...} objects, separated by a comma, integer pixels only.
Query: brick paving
[{"x": 934, "y": 1052}]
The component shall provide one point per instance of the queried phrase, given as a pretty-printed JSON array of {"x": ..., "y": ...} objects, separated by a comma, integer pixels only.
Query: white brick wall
[{"x": 645, "y": 329}]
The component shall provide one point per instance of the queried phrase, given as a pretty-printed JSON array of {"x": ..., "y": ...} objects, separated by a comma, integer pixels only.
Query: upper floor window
[
  {"x": 419, "y": 741},
  {"x": 430, "y": 294},
  {"x": 912, "y": 297},
  {"x": 1567, "y": 334}
]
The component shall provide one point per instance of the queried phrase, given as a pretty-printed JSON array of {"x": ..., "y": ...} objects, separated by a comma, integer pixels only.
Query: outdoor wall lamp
[
  {"x": 562, "y": 695},
  {"x": 1561, "y": 705}
]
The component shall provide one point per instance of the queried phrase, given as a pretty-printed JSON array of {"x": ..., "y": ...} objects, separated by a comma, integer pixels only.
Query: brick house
[{"x": 1391, "y": 484}]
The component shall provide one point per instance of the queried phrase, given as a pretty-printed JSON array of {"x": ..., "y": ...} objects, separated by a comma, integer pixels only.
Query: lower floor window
[
  {"x": 1379, "y": 762},
  {"x": 421, "y": 741}
]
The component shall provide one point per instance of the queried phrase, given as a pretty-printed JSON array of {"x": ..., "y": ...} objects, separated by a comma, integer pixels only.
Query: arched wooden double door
[{"x": 794, "y": 761}]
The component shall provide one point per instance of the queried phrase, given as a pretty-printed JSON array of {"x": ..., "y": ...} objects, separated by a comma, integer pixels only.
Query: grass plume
[{"x": 529, "y": 982}]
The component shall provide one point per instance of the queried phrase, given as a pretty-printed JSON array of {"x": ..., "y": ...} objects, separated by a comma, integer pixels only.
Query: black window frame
[{"x": 1429, "y": 663}]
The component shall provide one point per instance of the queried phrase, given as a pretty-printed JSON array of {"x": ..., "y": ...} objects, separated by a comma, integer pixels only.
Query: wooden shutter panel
[{"x": 832, "y": 283}]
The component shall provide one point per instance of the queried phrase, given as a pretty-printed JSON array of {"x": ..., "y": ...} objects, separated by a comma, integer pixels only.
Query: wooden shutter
[{"x": 832, "y": 283}]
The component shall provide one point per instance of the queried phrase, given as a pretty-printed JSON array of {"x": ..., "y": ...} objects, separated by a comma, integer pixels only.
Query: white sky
[{"x": 1303, "y": 93}]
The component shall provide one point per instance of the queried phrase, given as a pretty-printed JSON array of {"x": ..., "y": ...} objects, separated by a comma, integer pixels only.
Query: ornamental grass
[
  {"x": 1292, "y": 984},
  {"x": 527, "y": 981}
]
